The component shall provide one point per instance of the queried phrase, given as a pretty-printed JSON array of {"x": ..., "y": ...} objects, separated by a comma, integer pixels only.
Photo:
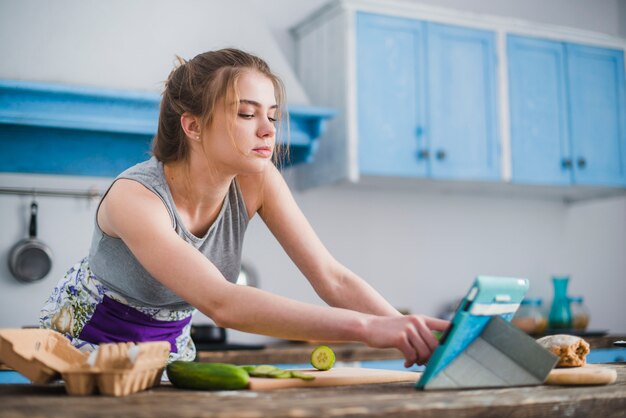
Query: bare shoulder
[
  {"x": 256, "y": 187},
  {"x": 128, "y": 202}
]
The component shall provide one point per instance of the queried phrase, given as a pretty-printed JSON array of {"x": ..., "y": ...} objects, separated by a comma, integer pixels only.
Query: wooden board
[
  {"x": 339, "y": 376},
  {"x": 342, "y": 376},
  {"x": 586, "y": 375}
]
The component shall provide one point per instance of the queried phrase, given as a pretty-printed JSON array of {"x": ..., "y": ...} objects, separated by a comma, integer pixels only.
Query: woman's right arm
[{"x": 138, "y": 217}]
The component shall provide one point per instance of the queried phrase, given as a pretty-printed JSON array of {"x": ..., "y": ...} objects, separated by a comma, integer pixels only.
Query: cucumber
[
  {"x": 322, "y": 358},
  {"x": 207, "y": 376}
]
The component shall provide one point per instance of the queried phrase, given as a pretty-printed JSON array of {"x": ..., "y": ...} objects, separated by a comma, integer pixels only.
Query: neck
[{"x": 195, "y": 186}]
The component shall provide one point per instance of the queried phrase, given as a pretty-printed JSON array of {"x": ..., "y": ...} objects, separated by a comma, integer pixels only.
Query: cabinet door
[
  {"x": 463, "y": 122},
  {"x": 390, "y": 95},
  {"x": 598, "y": 133},
  {"x": 538, "y": 108}
]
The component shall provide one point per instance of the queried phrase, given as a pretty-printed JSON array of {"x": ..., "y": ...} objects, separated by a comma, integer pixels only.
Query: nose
[{"x": 266, "y": 129}]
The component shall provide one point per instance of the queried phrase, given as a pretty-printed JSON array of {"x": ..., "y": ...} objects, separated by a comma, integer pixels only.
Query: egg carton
[
  {"x": 114, "y": 369},
  {"x": 38, "y": 354}
]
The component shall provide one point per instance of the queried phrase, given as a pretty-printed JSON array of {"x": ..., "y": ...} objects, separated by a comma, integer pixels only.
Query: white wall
[
  {"x": 419, "y": 249},
  {"x": 128, "y": 44}
]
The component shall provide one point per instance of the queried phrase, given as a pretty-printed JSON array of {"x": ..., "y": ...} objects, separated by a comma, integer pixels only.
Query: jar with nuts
[
  {"x": 580, "y": 313},
  {"x": 530, "y": 317}
]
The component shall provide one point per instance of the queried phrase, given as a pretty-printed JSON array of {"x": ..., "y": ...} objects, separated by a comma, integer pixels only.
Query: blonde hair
[{"x": 196, "y": 86}]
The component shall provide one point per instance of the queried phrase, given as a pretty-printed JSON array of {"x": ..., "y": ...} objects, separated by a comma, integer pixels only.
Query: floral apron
[{"x": 87, "y": 313}]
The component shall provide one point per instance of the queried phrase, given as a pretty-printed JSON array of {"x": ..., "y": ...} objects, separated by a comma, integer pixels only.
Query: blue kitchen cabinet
[
  {"x": 391, "y": 95},
  {"x": 567, "y": 113},
  {"x": 597, "y": 105},
  {"x": 426, "y": 99},
  {"x": 462, "y": 103}
]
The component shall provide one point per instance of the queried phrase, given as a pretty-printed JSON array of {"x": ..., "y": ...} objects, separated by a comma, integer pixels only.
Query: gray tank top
[{"x": 118, "y": 269}]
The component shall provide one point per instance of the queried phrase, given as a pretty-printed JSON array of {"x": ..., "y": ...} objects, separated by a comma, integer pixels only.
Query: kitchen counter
[
  {"x": 297, "y": 353},
  {"x": 294, "y": 353},
  {"x": 381, "y": 400}
]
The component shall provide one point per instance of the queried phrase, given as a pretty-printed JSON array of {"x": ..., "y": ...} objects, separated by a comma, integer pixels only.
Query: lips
[{"x": 264, "y": 151}]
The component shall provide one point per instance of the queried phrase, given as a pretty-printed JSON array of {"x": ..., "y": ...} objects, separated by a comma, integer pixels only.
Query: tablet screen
[{"x": 487, "y": 297}]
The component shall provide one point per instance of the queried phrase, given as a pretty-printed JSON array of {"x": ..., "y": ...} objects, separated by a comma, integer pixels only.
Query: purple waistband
[{"x": 114, "y": 322}]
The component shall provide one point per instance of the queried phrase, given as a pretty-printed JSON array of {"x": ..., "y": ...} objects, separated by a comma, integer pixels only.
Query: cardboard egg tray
[
  {"x": 38, "y": 354},
  {"x": 115, "y": 369}
]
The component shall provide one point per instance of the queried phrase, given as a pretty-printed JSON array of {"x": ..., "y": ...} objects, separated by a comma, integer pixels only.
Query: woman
[{"x": 169, "y": 231}]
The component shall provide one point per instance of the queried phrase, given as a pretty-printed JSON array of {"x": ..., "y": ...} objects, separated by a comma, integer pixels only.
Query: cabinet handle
[
  {"x": 582, "y": 163},
  {"x": 423, "y": 154},
  {"x": 441, "y": 155},
  {"x": 566, "y": 163}
]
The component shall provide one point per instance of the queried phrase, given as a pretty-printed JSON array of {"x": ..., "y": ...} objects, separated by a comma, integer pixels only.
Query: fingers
[
  {"x": 408, "y": 351},
  {"x": 411, "y": 334},
  {"x": 422, "y": 351},
  {"x": 427, "y": 335},
  {"x": 421, "y": 337},
  {"x": 436, "y": 324}
]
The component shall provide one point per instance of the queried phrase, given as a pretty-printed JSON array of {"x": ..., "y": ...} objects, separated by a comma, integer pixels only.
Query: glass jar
[
  {"x": 529, "y": 317},
  {"x": 580, "y": 313}
]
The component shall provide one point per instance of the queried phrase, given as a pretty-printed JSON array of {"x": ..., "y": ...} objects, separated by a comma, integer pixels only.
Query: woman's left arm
[{"x": 333, "y": 282}]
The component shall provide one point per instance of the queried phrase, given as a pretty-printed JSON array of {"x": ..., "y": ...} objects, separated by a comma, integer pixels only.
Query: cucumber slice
[
  {"x": 274, "y": 372},
  {"x": 248, "y": 368},
  {"x": 303, "y": 376},
  {"x": 279, "y": 374},
  {"x": 262, "y": 371},
  {"x": 322, "y": 358}
]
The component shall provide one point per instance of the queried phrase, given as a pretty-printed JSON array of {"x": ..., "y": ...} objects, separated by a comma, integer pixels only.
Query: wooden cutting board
[
  {"x": 342, "y": 376},
  {"x": 585, "y": 375},
  {"x": 338, "y": 376}
]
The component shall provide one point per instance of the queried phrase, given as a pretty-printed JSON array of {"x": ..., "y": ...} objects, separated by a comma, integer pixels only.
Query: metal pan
[{"x": 30, "y": 259}]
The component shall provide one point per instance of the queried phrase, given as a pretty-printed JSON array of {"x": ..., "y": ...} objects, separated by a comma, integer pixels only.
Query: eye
[
  {"x": 246, "y": 115},
  {"x": 273, "y": 120}
]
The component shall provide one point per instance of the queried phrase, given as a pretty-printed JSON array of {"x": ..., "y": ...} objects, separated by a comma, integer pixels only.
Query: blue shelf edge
[
  {"x": 63, "y": 129},
  {"x": 606, "y": 355},
  {"x": 12, "y": 377}
]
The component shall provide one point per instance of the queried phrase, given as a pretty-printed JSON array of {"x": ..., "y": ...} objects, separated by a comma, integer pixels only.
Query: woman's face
[{"x": 248, "y": 146}]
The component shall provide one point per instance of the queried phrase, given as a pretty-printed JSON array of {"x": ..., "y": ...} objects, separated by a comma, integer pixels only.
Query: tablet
[{"x": 487, "y": 297}]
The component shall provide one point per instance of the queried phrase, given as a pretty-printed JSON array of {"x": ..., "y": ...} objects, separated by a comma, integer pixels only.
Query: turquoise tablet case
[{"x": 478, "y": 352}]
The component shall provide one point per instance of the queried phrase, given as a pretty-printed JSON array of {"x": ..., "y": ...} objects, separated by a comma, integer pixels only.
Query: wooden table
[
  {"x": 286, "y": 352},
  {"x": 385, "y": 400},
  {"x": 290, "y": 352}
]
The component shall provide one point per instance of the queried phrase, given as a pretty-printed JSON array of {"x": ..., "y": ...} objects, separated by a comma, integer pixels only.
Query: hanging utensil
[{"x": 30, "y": 259}]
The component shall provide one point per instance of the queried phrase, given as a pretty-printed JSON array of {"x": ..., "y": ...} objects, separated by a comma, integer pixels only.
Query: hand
[{"x": 411, "y": 334}]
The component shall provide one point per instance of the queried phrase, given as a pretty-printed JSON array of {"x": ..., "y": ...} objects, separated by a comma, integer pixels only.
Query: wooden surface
[
  {"x": 286, "y": 352},
  {"x": 343, "y": 376},
  {"x": 380, "y": 400},
  {"x": 338, "y": 376}
]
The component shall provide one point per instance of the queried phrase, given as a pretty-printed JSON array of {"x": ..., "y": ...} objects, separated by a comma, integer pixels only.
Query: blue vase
[{"x": 560, "y": 314}]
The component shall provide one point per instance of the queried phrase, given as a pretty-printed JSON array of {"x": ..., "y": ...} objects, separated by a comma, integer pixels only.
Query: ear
[{"x": 191, "y": 126}]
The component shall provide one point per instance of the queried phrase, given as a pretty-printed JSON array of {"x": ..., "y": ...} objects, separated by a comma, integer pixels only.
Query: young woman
[{"x": 169, "y": 231}]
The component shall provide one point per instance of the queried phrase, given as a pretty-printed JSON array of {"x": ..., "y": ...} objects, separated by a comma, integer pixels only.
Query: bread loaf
[{"x": 572, "y": 351}]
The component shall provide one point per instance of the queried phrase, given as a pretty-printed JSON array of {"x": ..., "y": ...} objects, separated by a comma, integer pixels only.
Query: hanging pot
[{"x": 30, "y": 259}]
